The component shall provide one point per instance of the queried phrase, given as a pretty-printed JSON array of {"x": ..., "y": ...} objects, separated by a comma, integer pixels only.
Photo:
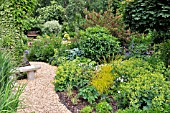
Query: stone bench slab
[
  {"x": 29, "y": 68},
  {"x": 30, "y": 71}
]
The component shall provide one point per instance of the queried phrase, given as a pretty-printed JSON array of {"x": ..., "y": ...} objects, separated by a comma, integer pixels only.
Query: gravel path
[{"x": 39, "y": 95}]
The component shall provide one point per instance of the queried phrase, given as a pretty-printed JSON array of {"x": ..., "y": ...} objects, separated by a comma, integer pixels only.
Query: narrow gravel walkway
[{"x": 39, "y": 95}]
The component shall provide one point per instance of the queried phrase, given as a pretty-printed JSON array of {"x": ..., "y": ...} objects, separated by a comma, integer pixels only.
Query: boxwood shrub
[{"x": 97, "y": 44}]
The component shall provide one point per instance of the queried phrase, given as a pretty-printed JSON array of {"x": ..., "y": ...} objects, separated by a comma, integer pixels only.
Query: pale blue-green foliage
[{"x": 51, "y": 27}]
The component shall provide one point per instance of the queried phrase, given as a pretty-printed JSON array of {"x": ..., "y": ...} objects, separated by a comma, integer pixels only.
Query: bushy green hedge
[{"x": 97, "y": 44}]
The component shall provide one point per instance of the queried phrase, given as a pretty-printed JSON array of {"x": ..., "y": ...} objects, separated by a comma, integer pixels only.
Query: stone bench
[{"x": 30, "y": 70}]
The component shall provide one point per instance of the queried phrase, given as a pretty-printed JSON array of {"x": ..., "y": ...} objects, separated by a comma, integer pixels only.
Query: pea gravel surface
[{"x": 39, "y": 95}]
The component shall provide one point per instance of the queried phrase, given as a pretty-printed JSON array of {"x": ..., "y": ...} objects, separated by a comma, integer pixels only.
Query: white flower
[
  {"x": 118, "y": 91},
  {"x": 121, "y": 80}
]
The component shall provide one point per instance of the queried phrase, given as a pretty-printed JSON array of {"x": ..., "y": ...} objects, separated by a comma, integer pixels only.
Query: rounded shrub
[
  {"x": 97, "y": 44},
  {"x": 51, "y": 27},
  {"x": 51, "y": 12}
]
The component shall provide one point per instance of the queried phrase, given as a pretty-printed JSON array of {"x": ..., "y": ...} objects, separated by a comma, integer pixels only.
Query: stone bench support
[{"x": 30, "y": 70}]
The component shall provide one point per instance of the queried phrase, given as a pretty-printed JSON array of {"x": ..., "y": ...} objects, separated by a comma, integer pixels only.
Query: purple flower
[{"x": 26, "y": 52}]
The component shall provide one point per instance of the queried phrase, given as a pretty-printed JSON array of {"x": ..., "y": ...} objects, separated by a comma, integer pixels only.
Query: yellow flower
[
  {"x": 47, "y": 36},
  {"x": 67, "y": 36}
]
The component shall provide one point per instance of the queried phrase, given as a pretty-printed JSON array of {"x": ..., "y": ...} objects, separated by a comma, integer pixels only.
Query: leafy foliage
[
  {"x": 139, "y": 46},
  {"x": 51, "y": 27},
  {"x": 154, "y": 14},
  {"x": 144, "y": 92},
  {"x": 103, "y": 107},
  {"x": 51, "y": 12},
  {"x": 127, "y": 69},
  {"x": 113, "y": 22},
  {"x": 43, "y": 48},
  {"x": 14, "y": 20},
  {"x": 96, "y": 43},
  {"x": 153, "y": 110},
  {"x": 104, "y": 79},
  {"x": 88, "y": 93},
  {"x": 76, "y": 73},
  {"x": 165, "y": 52},
  {"x": 74, "y": 11},
  {"x": 18, "y": 11},
  {"x": 102, "y": 5},
  {"x": 86, "y": 109},
  {"x": 9, "y": 99}
]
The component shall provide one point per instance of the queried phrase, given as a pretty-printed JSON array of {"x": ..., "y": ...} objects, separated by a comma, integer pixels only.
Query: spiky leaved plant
[{"x": 9, "y": 93}]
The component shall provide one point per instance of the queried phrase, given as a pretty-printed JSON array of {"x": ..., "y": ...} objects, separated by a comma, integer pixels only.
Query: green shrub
[
  {"x": 43, "y": 48},
  {"x": 73, "y": 15},
  {"x": 86, "y": 109},
  {"x": 102, "y": 5},
  {"x": 76, "y": 73},
  {"x": 107, "y": 20},
  {"x": 65, "y": 52},
  {"x": 88, "y": 93},
  {"x": 104, "y": 107},
  {"x": 141, "y": 15},
  {"x": 125, "y": 70},
  {"x": 51, "y": 12},
  {"x": 146, "y": 91},
  {"x": 51, "y": 27},
  {"x": 104, "y": 79},
  {"x": 165, "y": 52},
  {"x": 97, "y": 44},
  {"x": 139, "y": 46}
]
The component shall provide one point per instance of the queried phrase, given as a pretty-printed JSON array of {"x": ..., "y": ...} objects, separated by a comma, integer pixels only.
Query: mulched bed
[
  {"x": 81, "y": 103},
  {"x": 74, "y": 108}
]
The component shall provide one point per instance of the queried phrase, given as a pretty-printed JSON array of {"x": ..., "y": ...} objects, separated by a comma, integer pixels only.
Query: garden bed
[{"x": 81, "y": 103}]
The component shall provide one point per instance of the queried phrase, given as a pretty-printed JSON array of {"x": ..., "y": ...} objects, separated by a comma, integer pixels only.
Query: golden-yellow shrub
[{"x": 104, "y": 79}]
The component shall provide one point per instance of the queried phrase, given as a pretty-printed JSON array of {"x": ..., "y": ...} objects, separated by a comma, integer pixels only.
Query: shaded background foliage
[{"x": 141, "y": 15}]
